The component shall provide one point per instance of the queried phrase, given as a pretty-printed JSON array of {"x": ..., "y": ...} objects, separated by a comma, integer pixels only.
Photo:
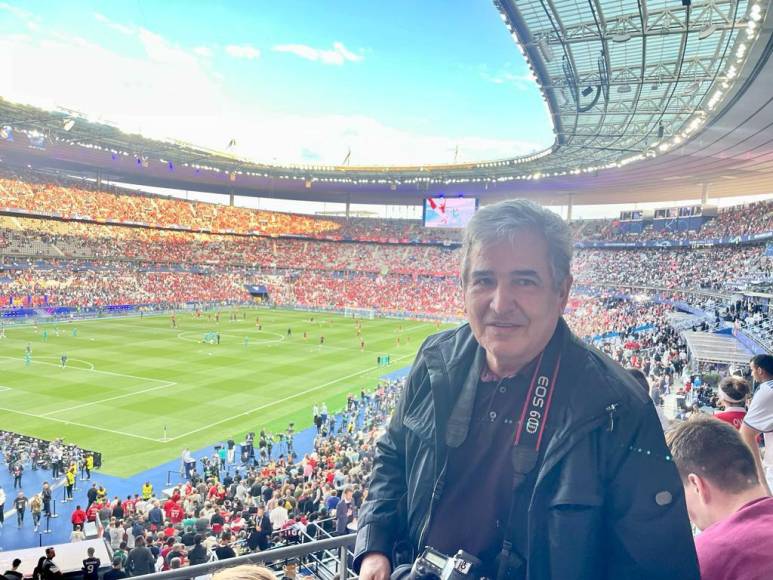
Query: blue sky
[{"x": 291, "y": 81}]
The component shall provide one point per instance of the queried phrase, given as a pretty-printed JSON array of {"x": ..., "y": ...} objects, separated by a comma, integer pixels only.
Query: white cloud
[
  {"x": 204, "y": 51},
  {"x": 161, "y": 50},
  {"x": 243, "y": 51},
  {"x": 504, "y": 77},
  {"x": 122, "y": 28},
  {"x": 158, "y": 48},
  {"x": 26, "y": 16},
  {"x": 338, "y": 55},
  {"x": 189, "y": 102},
  {"x": 138, "y": 94}
]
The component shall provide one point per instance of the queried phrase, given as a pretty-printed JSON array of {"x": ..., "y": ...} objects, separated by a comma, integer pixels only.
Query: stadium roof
[{"x": 651, "y": 101}]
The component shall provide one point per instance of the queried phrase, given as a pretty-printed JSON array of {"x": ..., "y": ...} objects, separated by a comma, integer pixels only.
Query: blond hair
[{"x": 244, "y": 572}]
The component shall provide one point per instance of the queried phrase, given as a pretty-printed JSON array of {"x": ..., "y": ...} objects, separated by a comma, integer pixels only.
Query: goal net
[{"x": 367, "y": 313}]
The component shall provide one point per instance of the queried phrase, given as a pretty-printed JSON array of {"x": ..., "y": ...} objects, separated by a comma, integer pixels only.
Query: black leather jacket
[{"x": 606, "y": 503}]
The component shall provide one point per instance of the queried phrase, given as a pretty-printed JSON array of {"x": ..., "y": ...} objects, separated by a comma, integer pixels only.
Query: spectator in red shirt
[
  {"x": 91, "y": 513},
  {"x": 78, "y": 517},
  {"x": 733, "y": 392},
  {"x": 169, "y": 505},
  {"x": 176, "y": 514}
]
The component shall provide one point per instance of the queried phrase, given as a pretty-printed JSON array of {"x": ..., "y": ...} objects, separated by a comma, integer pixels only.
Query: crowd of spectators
[
  {"x": 730, "y": 222},
  {"x": 80, "y": 264},
  {"x": 35, "y": 453},
  {"x": 724, "y": 268},
  {"x": 43, "y": 194},
  {"x": 240, "y": 503},
  {"x": 97, "y": 285},
  {"x": 21, "y": 453},
  {"x": 25, "y": 236}
]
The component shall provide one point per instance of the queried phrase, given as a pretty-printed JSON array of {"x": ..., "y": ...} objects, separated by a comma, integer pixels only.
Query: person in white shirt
[
  {"x": 278, "y": 516},
  {"x": 77, "y": 535},
  {"x": 759, "y": 417},
  {"x": 2, "y": 506}
]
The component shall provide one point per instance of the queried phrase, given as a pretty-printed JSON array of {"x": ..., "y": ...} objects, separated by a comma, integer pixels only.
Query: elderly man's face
[{"x": 510, "y": 300}]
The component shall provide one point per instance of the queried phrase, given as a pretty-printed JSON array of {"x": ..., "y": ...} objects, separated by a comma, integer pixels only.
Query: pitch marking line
[
  {"x": 277, "y": 401},
  {"x": 163, "y": 385},
  {"x": 3, "y": 389},
  {"x": 69, "y": 360},
  {"x": 84, "y": 425},
  {"x": 116, "y": 397},
  {"x": 94, "y": 370}
]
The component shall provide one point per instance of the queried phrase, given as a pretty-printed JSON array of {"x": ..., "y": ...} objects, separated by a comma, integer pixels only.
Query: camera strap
[{"x": 528, "y": 439}]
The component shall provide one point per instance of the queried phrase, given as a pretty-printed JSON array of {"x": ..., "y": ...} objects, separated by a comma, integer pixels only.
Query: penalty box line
[
  {"x": 84, "y": 425},
  {"x": 93, "y": 370},
  {"x": 277, "y": 401},
  {"x": 163, "y": 385},
  {"x": 108, "y": 399}
]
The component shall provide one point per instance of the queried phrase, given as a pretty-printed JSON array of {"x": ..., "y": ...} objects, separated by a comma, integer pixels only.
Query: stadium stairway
[{"x": 12, "y": 538}]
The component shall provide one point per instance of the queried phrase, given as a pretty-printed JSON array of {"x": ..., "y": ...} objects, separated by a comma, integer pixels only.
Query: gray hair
[{"x": 503, "y": 220}]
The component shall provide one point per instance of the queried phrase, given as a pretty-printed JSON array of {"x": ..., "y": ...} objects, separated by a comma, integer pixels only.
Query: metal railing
[{"x": 340, "y": 544}]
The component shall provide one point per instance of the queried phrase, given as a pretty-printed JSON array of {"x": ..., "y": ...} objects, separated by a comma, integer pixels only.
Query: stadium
[{"x": 193, "y": 335}]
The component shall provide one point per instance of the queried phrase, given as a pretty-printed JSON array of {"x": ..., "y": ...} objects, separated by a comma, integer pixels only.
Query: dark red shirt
[
  {"x": 738, "y": 546},
  {"x": 473, "y": 510}
]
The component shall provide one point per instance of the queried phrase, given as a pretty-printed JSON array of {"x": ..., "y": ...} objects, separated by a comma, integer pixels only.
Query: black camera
[{"x": 434, "y": 565}]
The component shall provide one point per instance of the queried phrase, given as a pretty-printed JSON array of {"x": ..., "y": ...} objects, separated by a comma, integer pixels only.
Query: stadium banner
[
  {"x": 747, "y": 239},
  {"x": 752, "y": 345}
]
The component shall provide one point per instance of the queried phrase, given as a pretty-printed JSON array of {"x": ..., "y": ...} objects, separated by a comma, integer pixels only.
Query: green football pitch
[{"x": 139, "y": 391}]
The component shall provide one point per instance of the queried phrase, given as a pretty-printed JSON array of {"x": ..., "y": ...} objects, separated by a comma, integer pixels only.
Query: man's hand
[
  {"x": 375, "y": 567},
  {"x": 749, "y": 436}
]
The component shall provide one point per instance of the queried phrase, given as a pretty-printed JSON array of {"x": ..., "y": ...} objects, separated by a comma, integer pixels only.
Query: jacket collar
[{"x": 454, "y": 364}]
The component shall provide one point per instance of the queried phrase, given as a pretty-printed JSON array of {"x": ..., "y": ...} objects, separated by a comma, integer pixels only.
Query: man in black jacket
[
  {"x": 91, "y": 495},
  {"x": 198, "y": 555},
  {"x": 560, "y": 448},
  {"x": 264, "y": 528},
  {"x": 140, "y": 560},
  {"x": 344, "y": 512}
]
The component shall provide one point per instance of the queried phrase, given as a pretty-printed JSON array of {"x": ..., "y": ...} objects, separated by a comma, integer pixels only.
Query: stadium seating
[{"x": 41, "y": 194}]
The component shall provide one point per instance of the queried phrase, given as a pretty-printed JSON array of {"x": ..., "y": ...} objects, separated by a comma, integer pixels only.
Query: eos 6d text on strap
[{"x": 528, "y": 438}]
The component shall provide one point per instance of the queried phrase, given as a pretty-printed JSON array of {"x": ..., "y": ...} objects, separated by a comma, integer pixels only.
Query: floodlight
[{"x": 707, "y": 31}]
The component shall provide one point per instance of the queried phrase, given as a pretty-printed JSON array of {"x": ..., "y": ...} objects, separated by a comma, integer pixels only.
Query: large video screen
[{"x": 449, "y": 212}]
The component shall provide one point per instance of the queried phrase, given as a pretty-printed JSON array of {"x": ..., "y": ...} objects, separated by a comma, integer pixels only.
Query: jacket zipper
[
  {"x": 590, "y": 425},
  {"x": 433, "y": 500}
]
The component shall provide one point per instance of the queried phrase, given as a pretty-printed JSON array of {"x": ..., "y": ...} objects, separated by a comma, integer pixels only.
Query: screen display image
[{"x": 451, "y": 212}]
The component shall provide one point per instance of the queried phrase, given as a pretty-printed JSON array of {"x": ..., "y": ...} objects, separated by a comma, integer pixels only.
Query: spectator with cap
[{"x": 726, "y": 499}]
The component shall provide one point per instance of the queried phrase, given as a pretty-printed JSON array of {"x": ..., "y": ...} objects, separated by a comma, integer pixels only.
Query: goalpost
[{"x": 367, "y": 313}]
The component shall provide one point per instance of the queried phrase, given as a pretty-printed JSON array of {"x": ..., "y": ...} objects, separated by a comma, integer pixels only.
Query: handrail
[{"x": 340, "y": 542}]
